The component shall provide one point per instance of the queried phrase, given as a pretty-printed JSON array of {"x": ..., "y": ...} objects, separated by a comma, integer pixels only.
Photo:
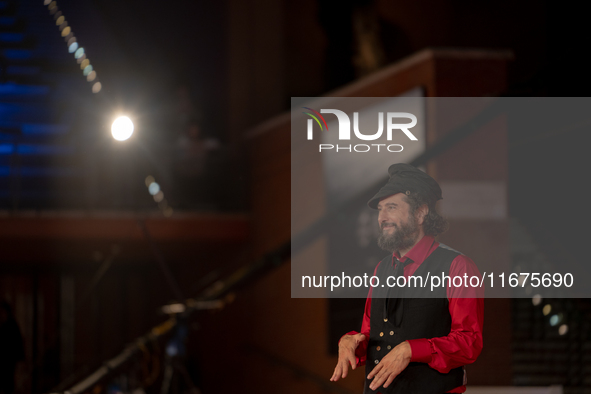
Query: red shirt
[{"x": 466, "y": 307}]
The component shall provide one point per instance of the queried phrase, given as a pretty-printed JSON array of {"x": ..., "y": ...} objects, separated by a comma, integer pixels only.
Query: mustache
[{"x": 387, "y": 224}]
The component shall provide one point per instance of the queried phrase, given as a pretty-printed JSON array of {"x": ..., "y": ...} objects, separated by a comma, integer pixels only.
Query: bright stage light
[{"x": 122, "y": 128}]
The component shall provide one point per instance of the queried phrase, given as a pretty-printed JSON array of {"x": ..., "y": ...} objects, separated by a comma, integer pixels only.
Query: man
[{"x": 411, "y": 340}]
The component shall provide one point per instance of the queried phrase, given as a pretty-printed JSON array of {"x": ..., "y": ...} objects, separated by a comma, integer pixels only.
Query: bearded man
[{"x": 413, "y": 340}]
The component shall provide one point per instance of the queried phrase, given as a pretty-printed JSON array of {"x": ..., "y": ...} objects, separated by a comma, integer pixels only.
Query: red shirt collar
[{"x": 420, "y": 251}]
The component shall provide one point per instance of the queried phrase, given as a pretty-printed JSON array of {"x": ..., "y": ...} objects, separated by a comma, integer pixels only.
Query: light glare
[
  {"x": 87, "y": 70},
  {"x": 149, "y": 179},
  {"x": 122, "y": 128},
  {"x": 173, "y": 308},
  {"x": 97, "y": 88},
  {"x": 154, "y": 188}
]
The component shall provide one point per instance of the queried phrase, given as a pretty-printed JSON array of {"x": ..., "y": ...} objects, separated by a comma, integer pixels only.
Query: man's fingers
[
  {"x": 378, "y": 381},
  {"x": 358, "y": 339},
  {"x": 390, "y": 379},
  {"x": 375, "y": 371},
  {"x": 341, "y": 370},
  {"x": 353, "y": 361},
  {"x": 337, "y": 373},
  {"x": 345, "y": 367},
  {"x": 334, "y": 373}
]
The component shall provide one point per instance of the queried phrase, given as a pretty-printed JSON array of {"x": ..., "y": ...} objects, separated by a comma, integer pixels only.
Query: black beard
[{"x": 404, "y": 237}]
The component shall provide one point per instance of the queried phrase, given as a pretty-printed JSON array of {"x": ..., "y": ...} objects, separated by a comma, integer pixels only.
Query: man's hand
[
  {"x": 347, "y": 348},
  {"x": 390, "y": 366}
]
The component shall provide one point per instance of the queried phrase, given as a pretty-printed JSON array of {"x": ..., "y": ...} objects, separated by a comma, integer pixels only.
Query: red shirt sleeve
[
  {"x": 361, "y": 351},
  {"x": 464, "y": 342}
]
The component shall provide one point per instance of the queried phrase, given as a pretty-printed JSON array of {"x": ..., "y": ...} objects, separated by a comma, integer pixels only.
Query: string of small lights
[
  {"x": 73, "y": 47},
  {"x": 555, "y": 319}
]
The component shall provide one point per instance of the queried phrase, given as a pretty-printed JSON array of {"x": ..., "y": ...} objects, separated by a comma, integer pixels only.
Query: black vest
[{"x": 422, "y": 318}]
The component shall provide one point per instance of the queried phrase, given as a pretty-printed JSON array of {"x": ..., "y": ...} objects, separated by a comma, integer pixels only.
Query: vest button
[
  {"x": 385, "y": 320},
  {"x": 379, "y": 348},
  {"x": 391, "y": 332},
  {"x": 389, "y": 347},
  {"x": 376, "y": 361},
  {"x": 381, "y": 334}
]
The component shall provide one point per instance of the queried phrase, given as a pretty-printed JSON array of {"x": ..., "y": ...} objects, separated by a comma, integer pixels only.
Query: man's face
[{"x": 399, "y": 229}]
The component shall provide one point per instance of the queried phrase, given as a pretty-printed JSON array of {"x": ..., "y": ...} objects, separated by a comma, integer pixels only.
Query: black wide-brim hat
[{"x": 407, "y": 179}]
